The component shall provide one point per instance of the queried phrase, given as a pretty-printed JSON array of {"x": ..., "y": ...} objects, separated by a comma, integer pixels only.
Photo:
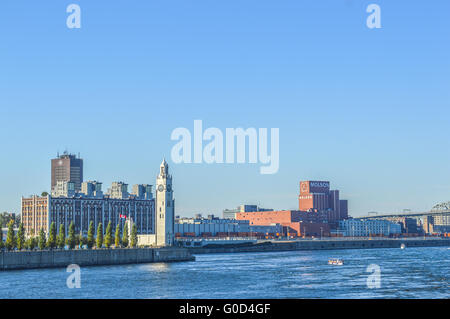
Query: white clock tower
[{"x": 165, "y": 207}]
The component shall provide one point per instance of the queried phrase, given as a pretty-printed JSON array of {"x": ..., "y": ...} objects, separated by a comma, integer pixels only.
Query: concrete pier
[
  {"x": 10, "y": 260},
  {"x": 307, "y": 244}
]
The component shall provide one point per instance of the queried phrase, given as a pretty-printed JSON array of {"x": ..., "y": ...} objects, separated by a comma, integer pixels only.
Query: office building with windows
[{"x": 67, "y": 168}]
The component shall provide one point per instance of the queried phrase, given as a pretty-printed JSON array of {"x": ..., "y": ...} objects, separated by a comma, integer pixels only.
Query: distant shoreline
[{"x": 273, "y": 246}]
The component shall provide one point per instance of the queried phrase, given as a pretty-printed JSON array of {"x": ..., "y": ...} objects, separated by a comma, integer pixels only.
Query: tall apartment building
[
  {"x": 64, "y": 188},
  {"x": 118, "y": 190},
  {"x": 142, "y": 191},
  {"x": 67, "y": 168},
  {"x": 92, "y": 189}
]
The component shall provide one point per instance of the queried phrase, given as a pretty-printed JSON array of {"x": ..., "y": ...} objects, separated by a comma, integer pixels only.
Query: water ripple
[{"x": 408, "y": 273}]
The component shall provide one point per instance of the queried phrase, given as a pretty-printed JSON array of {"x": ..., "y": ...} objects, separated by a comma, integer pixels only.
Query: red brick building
[
  {"x": 305, "y": 229},
  {"x": 296, "y": 222},
  {"x": 317, "y": 196},
  {"x": 319, "y": 210}
]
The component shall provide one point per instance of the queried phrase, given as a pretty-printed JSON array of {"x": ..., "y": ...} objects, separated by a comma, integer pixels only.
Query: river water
[{"x": 404, "y": 273}]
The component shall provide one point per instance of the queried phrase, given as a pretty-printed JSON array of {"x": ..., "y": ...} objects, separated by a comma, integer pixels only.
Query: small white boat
[
  {"x": 335, "y": 261},
  {"x": 402, "y": 246}
]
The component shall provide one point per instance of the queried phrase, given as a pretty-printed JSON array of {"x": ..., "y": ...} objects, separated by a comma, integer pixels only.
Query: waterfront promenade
[
  {"x": 10, "y": 260},
  {"x": 319, "y": 244}
]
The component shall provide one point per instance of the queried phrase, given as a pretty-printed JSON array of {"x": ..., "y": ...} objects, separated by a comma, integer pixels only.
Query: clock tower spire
[{"x": 165, "y": 207}]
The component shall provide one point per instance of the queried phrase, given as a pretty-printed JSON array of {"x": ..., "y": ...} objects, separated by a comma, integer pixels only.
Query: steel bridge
[{"x": 405, "y": 214}]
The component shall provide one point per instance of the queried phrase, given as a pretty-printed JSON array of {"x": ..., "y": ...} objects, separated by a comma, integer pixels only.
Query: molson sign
[{"x": 314, "y": 187}]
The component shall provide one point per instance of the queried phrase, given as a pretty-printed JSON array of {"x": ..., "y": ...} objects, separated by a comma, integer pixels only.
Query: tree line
[{"x": 59, "y": 240}]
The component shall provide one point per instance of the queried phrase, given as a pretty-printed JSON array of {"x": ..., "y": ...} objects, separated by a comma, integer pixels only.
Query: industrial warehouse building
[
  {"x": 320, "y": 210},
  {"x": 293, "y": 222},
  {"x": 39, "y": 212},
  {"x": 216, "y": 227}
]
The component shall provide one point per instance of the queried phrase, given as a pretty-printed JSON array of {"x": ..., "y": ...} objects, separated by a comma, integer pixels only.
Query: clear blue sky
[{"x": 368, "y": 110}]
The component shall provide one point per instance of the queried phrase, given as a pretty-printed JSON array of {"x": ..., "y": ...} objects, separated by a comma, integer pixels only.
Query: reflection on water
[
  {"x": 157, "y": 267},
  {"x": 407, "y": 273}
]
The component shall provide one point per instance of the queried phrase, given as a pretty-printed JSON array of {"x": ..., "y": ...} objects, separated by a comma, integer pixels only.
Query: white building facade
[
  {"x": 165, "y": 207},
  {"x": 365, "y": 228},
  {"x": 188, "y": 227}
]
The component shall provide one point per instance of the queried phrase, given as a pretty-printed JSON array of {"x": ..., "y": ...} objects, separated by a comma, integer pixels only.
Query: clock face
[
  {"x": 169, "y": 188},
  {"x": 160, "y": 188}
]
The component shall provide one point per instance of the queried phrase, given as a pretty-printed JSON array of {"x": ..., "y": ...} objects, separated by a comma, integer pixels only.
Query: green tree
[
  {"x": 125, "y": 235},
  {"x": 21, "y": 237},
  {"x": 10, "y": 236},
  {"x": 83, "y": 240},
  {"x": 51, "y": 243},
  {"x": 42, "y": 239},
  {"x": 44, "y": 194},
  {"x": 108, "y": 236},
  {"x": 77, "y": 240},
  {"x": 117, "y": 236},
  {"x": 30, "y": 243},
  {"x": 99, "y": 235},
  {"x": 133, "y": 239},
  {"x": 61, "y": 241},
  {"x": 71, "y": 240},
  {"x": 90, "y": 235}
]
